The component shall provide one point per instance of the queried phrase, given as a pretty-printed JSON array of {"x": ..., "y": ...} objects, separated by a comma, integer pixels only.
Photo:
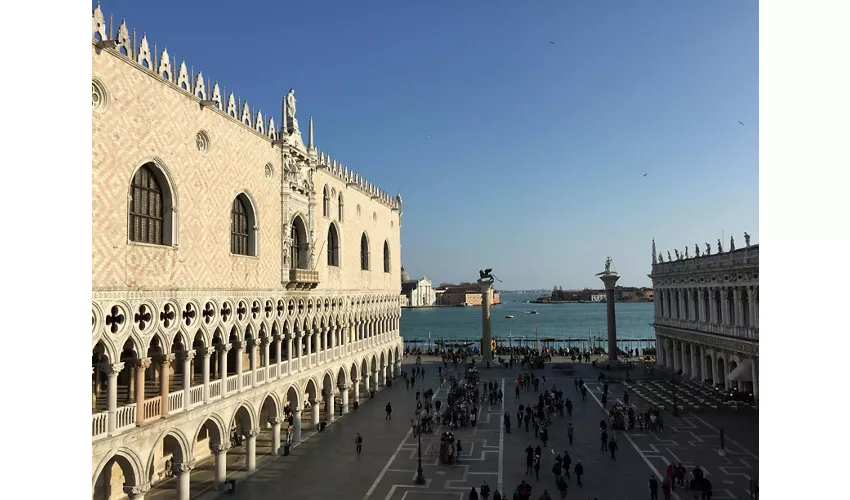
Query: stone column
[
  {"x": 278, "y": 352},
  {"x": 188, "y": 356},
  {"x": 141, "y": 366},
  {"x": 609, "y": 279},
  {"x": 275, "y": 421},
  {"x": 309, "y": 345},
  {"x": 329, "y": 407},
  {"x": 183, "y": 472},
  {"x": 289, "y": 351},
  {"x": 755, "y": 363},
  {"x": 724, "y": 306},
  {"x": 296, "y": 422},
  {"x": 252, "y": 361},
  {"x": 112, "y": 372},
  {"x": 398, "y": 368},
  {"x": 677, "y": 359},
  {"x": 714, "y": 375},
  {"x": 701, "y": 305},
  {"x": 206, "y": 374},
  {"x": 251, "y": 449},
  {"x": 659, "y": 353},
  {"x": 344, "y": 395},
  {"x": 702, "y": 354},
  {"x": 366, "y": 378},
  {"x": 222, "y": 366},
  {"x": 220, "y": 452},
  {"x": 137, "y": 492},
  {"x": 265, "y": 358},
  {"x": 356, "y": 384},
  {"x": 694, "y": 302},
  {"x": 240, "y": 352},
  {"x": 486, "y": 287},
  {"x": 384, "y": 374},
  {"x": 314, "y": 413},
  {"x": 738, "y": 304},
  {"x": 694, "y": 373},
  {"x": 164, "y": 380},
  {"x": 727, "y": 357},
  {"x": 685, "y": 367}
]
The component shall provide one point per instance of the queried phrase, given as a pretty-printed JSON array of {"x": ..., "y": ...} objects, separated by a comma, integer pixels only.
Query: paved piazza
[{"x": 326, "y": 465}]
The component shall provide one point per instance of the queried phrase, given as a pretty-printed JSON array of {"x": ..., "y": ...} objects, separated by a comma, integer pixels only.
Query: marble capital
[
  {"x": 184, "y": 467},
  {"x": 240, "y": 345},
  {"x": 188, "y": 355},
  {"x": 219, "y": 448},
  {"x": 167, "y": 359},
  {"x": 112, "y": 368},
  {"x": 137, "y": 490},
  {"x": 143, "y": 363},
  {"x": 251, "y": 433},
  {"x": 224, "y": 348},
  {"x": 275, "y": 420}
]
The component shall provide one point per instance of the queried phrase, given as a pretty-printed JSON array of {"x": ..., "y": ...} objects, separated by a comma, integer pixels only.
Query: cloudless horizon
[{"x": 510, "y": 152}]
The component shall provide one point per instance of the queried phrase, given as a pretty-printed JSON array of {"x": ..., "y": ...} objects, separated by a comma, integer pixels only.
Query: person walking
[
  {"x": 604, "y": 437},
  {"x": 359, "y": 442},
  {"x": 389, "y": 409},
  {"x": 537, "y": 460},
  {"x": 570, "y": 432},
  {"x": 567, "y": 461},
  {"x": 612, "y": 446},
  {"x": 485, "y": 491},
  {"x": 473, "y": 495},
  {"x": 562, "y": 487},
  {"x": 584, "y": 393},
  {"x": 653, "y": 488},
  {"x": 459, "y": 449},
  {"x": 579, "y": 471},
  {"x": 529, "y": 460},
  {"x": 666, "y": 487}
]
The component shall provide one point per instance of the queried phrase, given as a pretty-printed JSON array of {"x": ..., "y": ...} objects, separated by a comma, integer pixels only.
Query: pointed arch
[
  {"x": 152, "y": 206},
  {"x": 364, "y": 252},
  {"x": 243, "y": 226},
  {"x": 326, "y": 202},
  {"x": 339, "y": 207},
  {"x": 386, "y": 256},
  {"x": 298, "y": 250},
  {"x": 333, "y": 245}
]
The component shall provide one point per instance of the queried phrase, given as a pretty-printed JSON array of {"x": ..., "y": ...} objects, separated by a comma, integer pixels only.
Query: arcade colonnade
[
  {"x": 133, "y": 464},
  {"x": 725, "y": 366},
  {"x": 722, "y": 305}
]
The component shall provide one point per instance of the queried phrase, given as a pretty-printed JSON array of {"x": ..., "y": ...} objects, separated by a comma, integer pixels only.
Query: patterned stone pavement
[{"x": 327, "y": 467}]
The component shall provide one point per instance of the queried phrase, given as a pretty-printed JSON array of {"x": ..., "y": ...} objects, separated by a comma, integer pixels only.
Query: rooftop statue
[
  {"x": 696, "y": 249},
  {"x": 686, "y": 253},
  {"x": 747, "y": 239},
  {"x": 290, "y": 103},
  {"x": 669, "y": 258},
  {"x": 719, "y": 246},
  {"x": 678, "y": 257},
  {"x": 608, "y": 265},
  {"x": 661, "y": 258},
  {"x": 707, "y": 249},
  {"x": 732, "y": 244}
]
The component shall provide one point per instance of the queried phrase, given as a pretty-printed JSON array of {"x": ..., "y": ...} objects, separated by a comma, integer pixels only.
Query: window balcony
[{"x": 303, "y": 279}]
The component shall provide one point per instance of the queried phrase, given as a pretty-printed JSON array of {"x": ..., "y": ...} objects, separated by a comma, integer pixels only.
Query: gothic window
[
  {"x": 326, "y": 202},
  {"x": 147, "y": 208},
  {"x": 333, "y": 246},
  {"x": 242, "y": 223},
  {"x": 364, "y": 253},
  {"x": 386, "y": 257},
  {"x": 298, "y": 245}
]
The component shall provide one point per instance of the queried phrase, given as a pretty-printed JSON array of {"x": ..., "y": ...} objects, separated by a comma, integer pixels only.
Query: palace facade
[
  {"x": 245, "y": 286},
  {"x": 707, "y": 316}
]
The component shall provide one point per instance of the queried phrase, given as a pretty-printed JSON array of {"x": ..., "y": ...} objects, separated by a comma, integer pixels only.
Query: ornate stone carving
[
  {"x": 732, "y": 244},
  {"x": 747, "y": 239},
  {"x": 224, "y": 348},
  {"x": 669, "y": 257},
  {"x": 202, "y": 142},
  {"x": 251, "y": 433},
  {"x": 98, "y": 95},
  {"x": 707, "y": 249},
  {"x": 167, "y": 359},
  {"x": 137, "y": 490},
  {"x": 143, "y": 363},
  {"x": 219, "y": 448},
  {"x": 184, "y": 467},
  {"x": 112, "y": 368},
  {"x": 719, "y": 246},
  {"x": 696, "y": 249},
  {"x": 188, "y": 355}
]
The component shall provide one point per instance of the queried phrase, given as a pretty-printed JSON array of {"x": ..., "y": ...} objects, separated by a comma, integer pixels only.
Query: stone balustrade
[
  {"x": 741, "y": 256},
  {"x": 727, "y": 330}
]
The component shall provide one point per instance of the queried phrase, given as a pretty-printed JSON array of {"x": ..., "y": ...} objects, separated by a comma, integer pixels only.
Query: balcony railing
[
  {"x": 99, "y": 424},
  {"x": 125, "y": 416},
  {"x": 726, "y": 330},
  {"x": 175, "y": 402},
  {"x": 303, "y": 279}
]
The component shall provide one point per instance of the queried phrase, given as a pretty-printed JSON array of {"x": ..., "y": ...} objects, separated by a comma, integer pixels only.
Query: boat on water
[
  {"x": 510, "y": 316},
  {"x": 533, "y": 311}
]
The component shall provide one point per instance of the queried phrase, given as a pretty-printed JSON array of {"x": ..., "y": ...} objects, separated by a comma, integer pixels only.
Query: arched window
[
  {"x": 364, "y": 253},
  {"x": 150, "y": 208},
  {"x": 340, "y": 208},
  {"x": 242, "y": 224},
  {"x": 386, "y": 257},
  {"x": 333, "y": 246},
  {"x": 326, "y": 202},
  {"x": 298, "y": 245}
]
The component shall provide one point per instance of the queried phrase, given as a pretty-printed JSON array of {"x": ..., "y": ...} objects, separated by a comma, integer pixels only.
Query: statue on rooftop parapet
[
  {"x": 290, "y": 103},
  {"x": 686, "y": 252},
  {"x": 678, "y": 257},
  {"x": 669, "y": 258},
  {"x": 747, "y": 239},
  {"x": 654, "y": 257},
  {"x": 719, "y": 246},
  {"x": 696, "y": 249},
  {"x": 732, "y": 244},
  {"x": 660, "y": 258}
]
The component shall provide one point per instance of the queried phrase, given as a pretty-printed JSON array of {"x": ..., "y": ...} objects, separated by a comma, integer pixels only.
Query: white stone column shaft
[
  {"x": 344, "y": 395},
  {"x": 296, "y": 423},
  {"x": 278, "y": 351},
  {"x": 112, "y": 372},
  {"x": 220, "y": 452},
  {"x": 275, "y": 434},
  {"x": 206, "y": 375},
  {"x": 188, "y": 356},
  {"x": 251, "y": 449},
  {"x": 240, "y": 352}
]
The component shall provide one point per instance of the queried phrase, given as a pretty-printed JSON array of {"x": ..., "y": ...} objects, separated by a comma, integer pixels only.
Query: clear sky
[{"x": 537, "y": 151}]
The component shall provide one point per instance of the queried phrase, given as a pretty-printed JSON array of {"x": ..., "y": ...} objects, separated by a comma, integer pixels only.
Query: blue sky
[{"x": 537, "y": 151}]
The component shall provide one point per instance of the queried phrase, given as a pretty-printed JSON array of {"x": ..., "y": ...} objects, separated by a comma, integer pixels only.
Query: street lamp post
[{"x": 420, "y": 477}]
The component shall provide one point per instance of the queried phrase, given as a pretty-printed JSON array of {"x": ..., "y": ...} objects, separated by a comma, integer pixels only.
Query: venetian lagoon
[{"x": 558, "y": 321}]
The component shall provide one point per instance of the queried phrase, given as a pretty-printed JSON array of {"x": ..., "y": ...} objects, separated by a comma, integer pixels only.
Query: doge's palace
[
  {"x": 244, "y": 284},
  {"x": 707, "y": 314}
]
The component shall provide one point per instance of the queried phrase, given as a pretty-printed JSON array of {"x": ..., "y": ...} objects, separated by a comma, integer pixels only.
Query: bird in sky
[
  {"x": 742, "y": 123},
  {"x": 644, "y": 175},
  {"x": 553, "y": 43},
  {"x": 428, "y": 136}
]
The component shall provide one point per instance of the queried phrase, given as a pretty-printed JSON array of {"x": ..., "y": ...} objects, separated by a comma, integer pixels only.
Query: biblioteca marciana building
[
  {"x": 707, "y": 314},
  {"x": 245, "y": 286}
]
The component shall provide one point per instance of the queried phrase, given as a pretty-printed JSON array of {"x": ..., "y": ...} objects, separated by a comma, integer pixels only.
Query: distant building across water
[
  {"x": 621, "y": 294},
  {"x": 416, "y": 292}
]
